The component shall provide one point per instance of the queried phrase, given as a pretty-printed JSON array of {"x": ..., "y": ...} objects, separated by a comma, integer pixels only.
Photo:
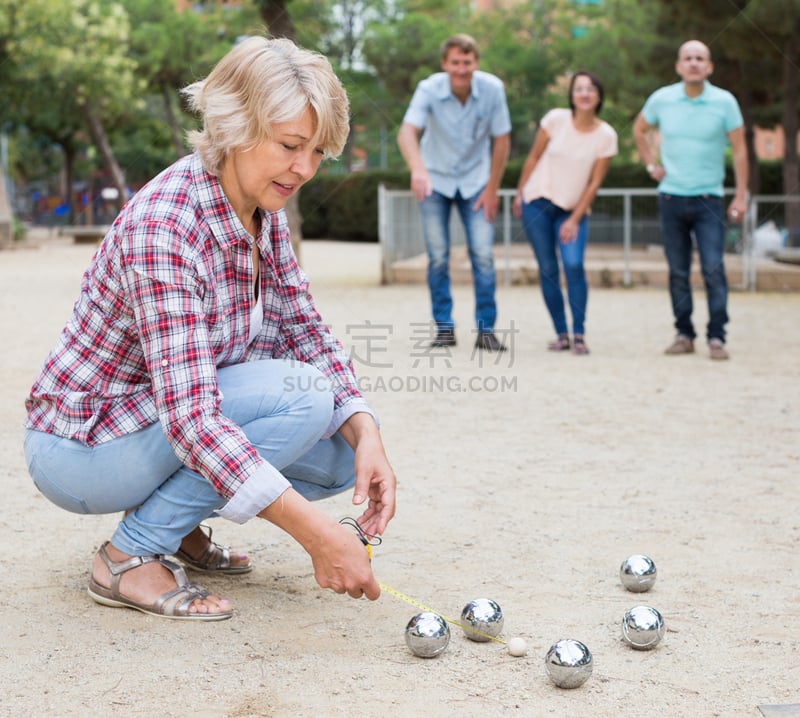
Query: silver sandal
[
  {"x": 215, "y": 559},
  {"x": 173, "y": 604}
]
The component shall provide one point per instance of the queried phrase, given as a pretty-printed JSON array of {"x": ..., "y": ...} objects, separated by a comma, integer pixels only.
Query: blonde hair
[{"x": 259, "y": 83}]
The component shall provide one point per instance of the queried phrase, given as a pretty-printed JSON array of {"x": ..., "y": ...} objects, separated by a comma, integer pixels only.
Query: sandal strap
[
  {"x": 215, "y": 557},
  {"x": 177, "y": 601},
  {"x": 579, "y": 345},
  {"x": 211, "y": 556},
  {"x": 117, "y": 568},
  {"x": 561, "y": 343}
]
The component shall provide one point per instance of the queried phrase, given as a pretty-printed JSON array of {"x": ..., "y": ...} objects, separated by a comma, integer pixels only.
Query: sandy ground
[{"x": 526, "y": 481}]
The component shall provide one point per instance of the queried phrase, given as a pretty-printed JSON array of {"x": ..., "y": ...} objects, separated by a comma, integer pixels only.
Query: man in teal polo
[{"x": 695, "y": 122}]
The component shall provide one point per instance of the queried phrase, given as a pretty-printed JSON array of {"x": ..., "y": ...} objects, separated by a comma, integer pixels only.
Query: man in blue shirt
[
  {"x": 463, "y": 117},
  {"x": 695, "y": 122}
]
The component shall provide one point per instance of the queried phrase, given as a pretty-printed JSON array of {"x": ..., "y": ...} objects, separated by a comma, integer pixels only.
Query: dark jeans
[
  {"x": 701, "y": 216},
  {"x": 542, "y": 221}
]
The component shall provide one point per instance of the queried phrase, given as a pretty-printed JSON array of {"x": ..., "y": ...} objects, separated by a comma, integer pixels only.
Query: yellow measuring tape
[
  {"x": 403, "y": 597},
  {"x": 414, "y": 602}
]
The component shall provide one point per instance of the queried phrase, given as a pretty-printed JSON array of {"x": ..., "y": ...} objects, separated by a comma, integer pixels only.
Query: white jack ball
[{"x": 517, "y": 647}]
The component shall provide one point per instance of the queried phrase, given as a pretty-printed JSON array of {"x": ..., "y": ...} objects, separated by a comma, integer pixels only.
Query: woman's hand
[
  {"x": 569, "y": 231},
  {"x": 375, "y": 480},
  {"x": 341, "y": 561},
  {"x": 376, "y": 484},
  {"x": 516, "y": 206}
]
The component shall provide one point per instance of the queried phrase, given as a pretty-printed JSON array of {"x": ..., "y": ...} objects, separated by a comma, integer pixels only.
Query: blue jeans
[
  {"x": 283, "y": 408},
  {"x": 542, "y": 221},
  {"x": 680, "y": 218},
  {"x": 480, "y": 240}
]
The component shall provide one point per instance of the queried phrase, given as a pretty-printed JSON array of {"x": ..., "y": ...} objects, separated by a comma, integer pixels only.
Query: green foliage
[
  {"x": 128, "y": 58},
  {"x": 19, "y": 231},
  {"x": 143, "y": 146},
  {"x": 345, "y": 207},
  {"x": 406, "y": 52},
  {"x": 313, "y": 23},
  {"x": 61, "y": 54},
  {"x": 524, "y": 60}
]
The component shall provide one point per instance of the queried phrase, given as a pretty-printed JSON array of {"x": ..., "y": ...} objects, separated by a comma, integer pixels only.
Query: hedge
[{"x": 346, "y": 206}]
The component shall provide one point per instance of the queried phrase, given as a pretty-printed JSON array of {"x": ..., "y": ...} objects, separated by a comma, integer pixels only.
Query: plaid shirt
[{"x": 165, "y": 301}]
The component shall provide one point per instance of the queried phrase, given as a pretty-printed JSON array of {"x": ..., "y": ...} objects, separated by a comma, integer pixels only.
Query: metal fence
[{"x": 620, "y": 216}]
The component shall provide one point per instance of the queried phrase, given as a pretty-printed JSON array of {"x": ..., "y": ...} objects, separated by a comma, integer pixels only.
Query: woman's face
[
  {"x": 270, "y": 173},
  {"x": 584, "y": 94}
]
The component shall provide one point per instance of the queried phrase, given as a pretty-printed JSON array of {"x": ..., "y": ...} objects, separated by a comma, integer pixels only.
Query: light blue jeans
[
  {"x": 479, "y": 232},
  {"x": 283, "y": 408}
]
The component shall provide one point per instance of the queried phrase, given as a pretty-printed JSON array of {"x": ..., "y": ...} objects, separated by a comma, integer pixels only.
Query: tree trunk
[
  {"x": 746, "y": 104},
  {"x": 276, "y": 18},
  {"x": 104, "y": 147},
  {"x": 69, "y": 175},
  {"x": 791, "y": 56},
  {"x": 172, "y": 122},
  {"x": 295, "y": 220}
]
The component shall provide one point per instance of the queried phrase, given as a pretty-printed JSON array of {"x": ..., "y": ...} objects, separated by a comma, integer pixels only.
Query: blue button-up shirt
[{"x": 456, "y": 142}]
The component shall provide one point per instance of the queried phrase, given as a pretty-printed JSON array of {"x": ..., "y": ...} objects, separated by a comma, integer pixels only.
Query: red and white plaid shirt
[{"x": 165, "y": 301}]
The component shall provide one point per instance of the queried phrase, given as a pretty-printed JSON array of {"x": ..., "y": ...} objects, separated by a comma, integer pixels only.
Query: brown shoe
[
  {"x": 717, "y": 350},
  {"x": 681, "y": 345}
]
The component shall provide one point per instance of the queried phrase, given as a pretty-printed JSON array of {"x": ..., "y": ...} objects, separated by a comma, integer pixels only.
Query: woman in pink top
[{"x": 564, "y": 169}]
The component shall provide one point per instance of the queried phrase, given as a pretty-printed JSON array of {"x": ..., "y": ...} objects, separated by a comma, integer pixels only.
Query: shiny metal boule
[
  {"x": 642, "y": 627},
  {"x": 638, "y": 573},
  {"x": 482, "y": 620},
  {"x": 427, "y": 634},
  {"x": 568, "y": 663}
]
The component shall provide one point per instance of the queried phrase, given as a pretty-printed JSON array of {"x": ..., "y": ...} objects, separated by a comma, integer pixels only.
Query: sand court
[{"x": 525, "y": 478}]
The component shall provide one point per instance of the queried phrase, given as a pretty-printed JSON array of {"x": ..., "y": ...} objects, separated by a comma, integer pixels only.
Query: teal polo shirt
[{"x": 694, "y": 135}]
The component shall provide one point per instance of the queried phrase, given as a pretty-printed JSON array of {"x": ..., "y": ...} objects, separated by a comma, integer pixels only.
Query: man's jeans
[
  {"x": 542, "y": 221},
  {"x": 480, "y": 239},
  {"x": 283, "y": 408},
  {"x": 702, "y": 216}
]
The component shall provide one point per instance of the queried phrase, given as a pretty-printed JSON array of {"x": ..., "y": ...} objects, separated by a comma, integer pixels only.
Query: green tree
[
  {"x": 276, "y": 18},
  {"x": 278, "y": 23},
  {"x": 166, "y": 45},
  {"x": 617, "y": 47},
  {"x": 66, "y": 68},
  {"x": 775, "y": 29},
  {"x": 755, "y": 46},
  {"x": 171, "y": 49},
  {"x": 401, "y": 51},
  {"x": 529, "y": 60}
]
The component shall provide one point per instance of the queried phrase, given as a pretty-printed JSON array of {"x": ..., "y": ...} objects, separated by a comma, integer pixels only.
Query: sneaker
[
  {"x": 444, "y": 338},
  {"x": 681, "y": 345},
  {"x": 489, "y": 342},
  {"x": 717, "y": 350}
]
